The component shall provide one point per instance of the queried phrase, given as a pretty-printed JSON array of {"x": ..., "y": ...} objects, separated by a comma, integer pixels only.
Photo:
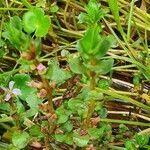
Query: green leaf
[
  {"x": 130, "y": 145},
  {"x": 21, "y": 81},
  {"x": 105, "y": 66},
  {"x": 142, "y": 139},
  {"x": 16, "y": 22},
  {"x": 60, "y": 75},
  {"x": 102, "y": 67},
  {"x": 67, "y": 126},
  {"x": 3, "y": 50},
  {"x": 5, "y": 118},
  {"x": 75, "y": 104},
  {"x": 20, "y": 139},
  {"x": 94, "y": 11},
  {"x": 19, "y": 40},
  {"x": 136, "y": 80},
  {"x": 54, "y": 8},
  {"x": 33, "y": 101},
  {"x": 60, "y": 137},
  {"x": 98, "y": 105},
  {"x": 103, "y": 46},
  {"x": 42, "y": 29},
  {"x": 56, "y": 74},
  {"x": 69, "y": 139},
  {"x": 94, "y": 94},
  {"x": 20, "y": 107},
  {"x": 92, "y": 45},
  {"x": 25, "y": 64},
  {"x": 103, "y": 84},
  {"x": 64, "y": 138},
  {"x": 80, "y": 141},
  {"x": 35, "y": 21},
  {"x": 41, "y": 3},
  {"x": 103, "y": 113},
  {"x": 4, "y": 106},
  {"x": 96, "y": 132},
  {"x": 8, "y": 134},
  {"x": 35, "y": 131},
  {"x": 123, "y": 128},
  {"x": 83, "y": 18},
  {"x": 75, "y": 65},
  {"x": 30, "y": 21},
  {"x": 89, "y": 41},
  {"x": 5, "y": 78},
  {"x": 29, "y": 113},
  {"x": 63, "y": 115},
  {"x": 62, "y": 118},
  {"x": 12, "y": 147}
]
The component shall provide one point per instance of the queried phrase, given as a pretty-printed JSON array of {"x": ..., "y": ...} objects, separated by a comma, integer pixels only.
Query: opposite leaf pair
[{"x": 92, "y": 48}]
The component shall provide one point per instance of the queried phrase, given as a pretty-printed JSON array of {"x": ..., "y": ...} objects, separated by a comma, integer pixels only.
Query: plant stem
[
  {"x": 50, "y": 98},
  {"x": 126, "y": 122},
  {"x": 90, "y": 112},
  {"x": 91, "y": 106},
  {"x": 26, "y": 3},
  {"x": 48, "y": 88},
  {"x": 116, "y": 147},
  {"x": 127, "y": 113},
  {"x": 125, "y": 98},
  {"x": 12, "y": 9},
  {"x": 3, "y": 145},
  {"x": 6, "y": 119},
  {"x": 92, "y": 80},
  {"x": 145, "y": 131},
  {"x": 5, "y": 126}
]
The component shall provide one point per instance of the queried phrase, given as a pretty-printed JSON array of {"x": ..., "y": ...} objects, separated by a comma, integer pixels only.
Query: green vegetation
[{"x": 74, "y": 75}]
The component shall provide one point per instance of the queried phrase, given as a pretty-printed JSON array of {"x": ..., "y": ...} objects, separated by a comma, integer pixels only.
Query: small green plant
[
  {"x": 28, "y": 33},
  {"x": 59, "y": 91},
  {"x": 90, "y": 64}
]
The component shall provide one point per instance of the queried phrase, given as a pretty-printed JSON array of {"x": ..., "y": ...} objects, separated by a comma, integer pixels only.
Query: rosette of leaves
[
  {"x": 93, "y": 13},
  {"x": 92, "y": 48},
  {"x": 36, "y": 21}
]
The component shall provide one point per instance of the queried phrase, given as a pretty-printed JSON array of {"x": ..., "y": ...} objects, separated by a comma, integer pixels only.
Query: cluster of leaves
[
  {"x": 78, "y": 108},
  {"x": 34, "y": 21},
  {"x": 77, "y": 120},
  {"x": 141, "y": 141},
  {"x": 92, "y": 48},
  {"x": 93, "y": 13}
]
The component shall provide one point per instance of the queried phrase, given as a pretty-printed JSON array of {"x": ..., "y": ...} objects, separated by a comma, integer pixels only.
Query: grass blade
[
  {"x": 113, "y": 4},
  {"x": 130, "y": 20}
]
